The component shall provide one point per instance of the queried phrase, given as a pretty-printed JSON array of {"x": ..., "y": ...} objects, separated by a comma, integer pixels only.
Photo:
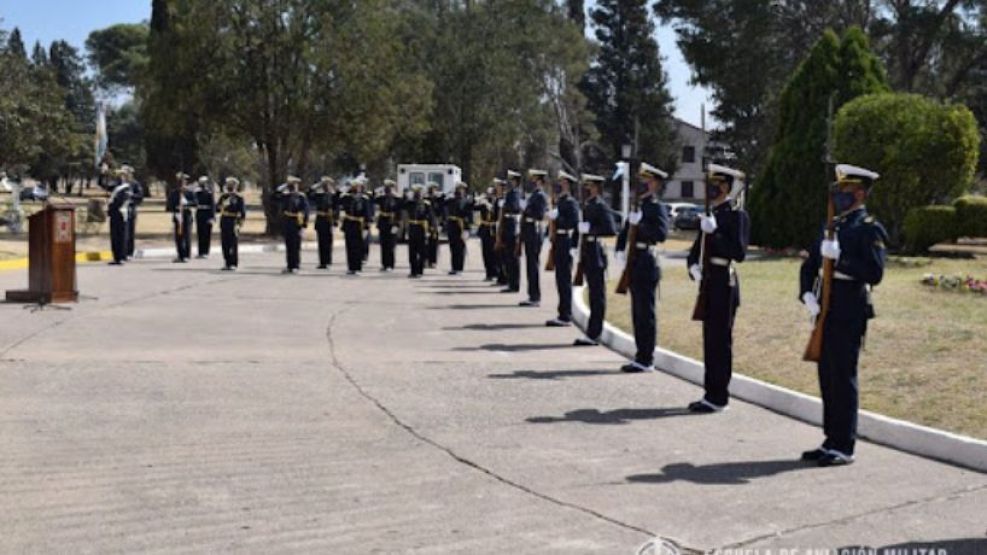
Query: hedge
[
  {"x": 971, "y": 216},
  {"x": 929, "y": 225}
]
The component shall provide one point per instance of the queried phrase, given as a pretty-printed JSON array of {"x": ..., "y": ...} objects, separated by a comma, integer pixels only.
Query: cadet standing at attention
[
  {"x": 118, "y": 207},
  {"x": 598, "y": 222},
  {"x": 651, "y": 220},
  {"x": 232, "y": 213},
  {"x": 180, "y": 203},
  {"x": 565, "y": 218},
  {"x": 487, "y": 207},
  {"x": 723, "y": 242},
  {"x": 136, "y": 199},
  {"x": 294, "y": 220},
  {"x": 421, "y": 218},
  {"x": 534, "y": 208},
  {"x": 459, "y": 219},
  {"x": 437, "y": 200},
  {"x": 510, "y": 212},
  {"x": 358, "y": 214},
  {"x": 389, "y": 206},
  {"x": 322, "y": 198},
  {"x": 858, "y": 254},
  {"x": 205, "y": 215}
]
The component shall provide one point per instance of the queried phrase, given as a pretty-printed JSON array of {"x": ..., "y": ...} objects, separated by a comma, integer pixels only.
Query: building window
[
  {"x": 687, "y": 190},
  {"x": 689, "y": 154}
]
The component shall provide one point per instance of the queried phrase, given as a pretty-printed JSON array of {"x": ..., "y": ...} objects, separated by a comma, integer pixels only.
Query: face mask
[
  {"x": 843, "y": 200},
  {"x": 712, "y": 191}
]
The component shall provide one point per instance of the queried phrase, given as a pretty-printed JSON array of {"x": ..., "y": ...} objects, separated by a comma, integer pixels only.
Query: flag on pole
[{"x": 102, "y": 140}]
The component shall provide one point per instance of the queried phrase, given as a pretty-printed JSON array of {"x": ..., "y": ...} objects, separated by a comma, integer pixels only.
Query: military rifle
[
  {"x": 552, "y": 228},
  {"x": 625, "y": 277},
  {"x": 813, "y": 351},
  {"x": 699, "y": 311},
  {"x": 579, "y": 278},
  {"x": 520, "y": 230}
]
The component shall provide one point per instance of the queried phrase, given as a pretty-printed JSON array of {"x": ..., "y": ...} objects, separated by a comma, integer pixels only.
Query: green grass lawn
[{"x": 925, "y": 358}]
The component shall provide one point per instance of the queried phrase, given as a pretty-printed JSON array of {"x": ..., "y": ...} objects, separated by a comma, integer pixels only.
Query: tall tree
[
  {"x": 626, "y": 85},
  {"x": 119, "y": 54},
  {"x": 15, "y": 44},
  {"x": 788, "y": 202}
]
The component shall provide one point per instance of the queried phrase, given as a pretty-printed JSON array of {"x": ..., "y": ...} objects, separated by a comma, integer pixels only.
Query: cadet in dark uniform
[
  {"x": 421, "y": 218},
  {"x": 294, "y": 220},
  {"x": 487, "y": 232},
  {"x": 858, "y": 254},
  {"x": 598, "y": 222},
  {"x": 205, "y": 215},
  {"x": 437, "y": 200},
  {"x": 180, "y": 203},
  {"x": 322, "y": 198},
  {"x": 651, "y": 220},
  {"x": 136, "y": 199},
  {"x": 358, "y": 214},
  {"x": 565, "y": 216},
  {"x": 118, "y": 207},
  {"x": 534, "y": 208},
  {"x": 510, "y": 206},
  {"x": 722, "y": 243},
  {"x": 459, "y": 220},
  {"x": 232, "y": 213},
  {"x": 388, "y": 217}
]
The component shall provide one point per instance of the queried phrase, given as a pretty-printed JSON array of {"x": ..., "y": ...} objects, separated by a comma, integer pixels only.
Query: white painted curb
[
  {"x": 905, "y": 436},
  {"x": 169, "y": 252}
]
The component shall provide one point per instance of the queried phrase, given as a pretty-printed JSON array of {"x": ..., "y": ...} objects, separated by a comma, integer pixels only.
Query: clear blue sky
[{"x": 73, "y": 20}]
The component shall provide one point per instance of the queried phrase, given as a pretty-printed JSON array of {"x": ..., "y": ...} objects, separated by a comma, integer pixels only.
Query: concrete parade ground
[{"x": 178, "y": 408}]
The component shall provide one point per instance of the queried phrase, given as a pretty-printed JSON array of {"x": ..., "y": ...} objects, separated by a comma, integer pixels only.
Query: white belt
[
  {"x": 715, "y": 261},
  {"x": 590, "y": 238},
  {"x": 841, "y": 276},
  {"x": 512, "y": 216},
  {"x": 643, "y": 246},
  {"x": 532, "y": 220}
]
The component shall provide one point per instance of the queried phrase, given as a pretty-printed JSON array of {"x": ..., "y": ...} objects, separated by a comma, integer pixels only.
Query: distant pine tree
[
  {"x": 789, "y": 201},
  {"x": 15, "y": 44}
]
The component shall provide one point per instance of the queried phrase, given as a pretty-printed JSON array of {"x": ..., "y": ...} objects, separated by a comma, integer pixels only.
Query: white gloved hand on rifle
[
  {"x": 584, "y": 227},
  {"x": 708, "y": 224},
  {"x": 811, "y": 304},
  {"x": 500, "y": 203},
  {"x": 830, "y": 249},
  {"x": 466, "y": 236},
  {"x": 696, "y": 273},
  {"x": 621, "y": 257},
  {"x": 574, "y": 253},
  {"x": 524, "y": 204},
  {"x": 635, "y": 217},
  {"x": 553, "y": 214}
]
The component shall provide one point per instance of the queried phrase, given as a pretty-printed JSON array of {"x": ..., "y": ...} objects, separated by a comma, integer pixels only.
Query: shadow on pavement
[
  {"x": 968, "y": 546},
  {"x": 618, "y": 416},
  {"x": 461, "y": 292},
  {"x": 492, "y": 327},
  {"x": 502, "y": 348},
  {"x": 735, "y": 473},
  {"x": 470, "y": 306},
  {"x": 552, "y": 374}
]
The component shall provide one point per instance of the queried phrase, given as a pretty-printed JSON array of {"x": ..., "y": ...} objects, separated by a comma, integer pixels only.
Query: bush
[
  {"x": 923, "y": 149},
  {"x": 971, "y": 216},
  {"x": 929, "y": 225}
]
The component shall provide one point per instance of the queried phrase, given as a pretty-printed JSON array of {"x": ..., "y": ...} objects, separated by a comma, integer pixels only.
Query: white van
[{"x": 446, "y": 176}]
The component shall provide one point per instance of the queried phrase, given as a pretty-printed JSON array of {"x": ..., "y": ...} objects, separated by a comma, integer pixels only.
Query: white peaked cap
[
  {"x": 846, "y": 170},
  {"x": 590, "y": 178},
  {"x": 648, "y": 169},
  {"x": 568, "y": 176}
]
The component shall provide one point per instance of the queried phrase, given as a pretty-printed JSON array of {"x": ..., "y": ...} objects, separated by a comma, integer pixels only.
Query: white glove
[
  {"x": 553, "y": 214},
  {"x": 830, "y": 249},
  {"x": 708, "y": 224},
  {"x": 635, "y": 217},
  {"x": 574, "y": 253},
  {"x": 696, "y": 272},
  {"x": 584, "y": 227},
  {"x": 621, "y": 257},
  {"x": 811, "y": 304},
  {"x": 500, "y": 203},
  {"x": 524, "y": 204},
  {"x": 395, "y": 229},
  {"x": 466, "y": 235}
]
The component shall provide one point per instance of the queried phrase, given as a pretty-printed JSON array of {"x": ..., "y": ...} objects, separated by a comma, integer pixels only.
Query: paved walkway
[{"x": 178, "y": 408}]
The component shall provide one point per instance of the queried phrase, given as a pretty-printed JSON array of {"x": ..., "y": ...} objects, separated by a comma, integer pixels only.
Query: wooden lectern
[{"x": 51, "y": 259}]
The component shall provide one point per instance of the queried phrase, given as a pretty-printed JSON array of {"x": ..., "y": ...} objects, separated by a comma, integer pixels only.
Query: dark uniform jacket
[
  {"x": 862, "y": 257},
  {"x": 173, "y": 203},
  {"x": 511, "y": 209},
  {"x": 324, "y": 204},
  {"x": 231, "y": 205},
  {"x": 534, "y": 213},
  {"x": 390, "y": 208},
  {"x": 601, "y": 224},
  {"x": 205, "y": 201},
  {"x": 420, "y": 211},
  {"x": 294, "y": 208},
  {"x": 459, "y": 210},
  {"x": 357, "y": 206},
  {"x": 653, "y": 227}
]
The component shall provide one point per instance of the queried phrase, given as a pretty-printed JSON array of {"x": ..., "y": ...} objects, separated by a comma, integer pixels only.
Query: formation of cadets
[{"x": 513, "y": 218}]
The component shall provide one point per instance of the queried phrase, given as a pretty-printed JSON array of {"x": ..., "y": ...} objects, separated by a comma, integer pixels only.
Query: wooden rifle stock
[
  {"x": 499, "y": 243},
  {"x": 631, "y": 248},
  {"x": 552, "y": 228},
  {"x": 579, "y": 278},
  {"x": 813, "y": 351}
]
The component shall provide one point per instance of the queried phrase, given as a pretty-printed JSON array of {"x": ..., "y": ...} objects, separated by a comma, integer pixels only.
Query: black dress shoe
[
  {"x": 116, "y": 263},
  {"x": 634, "y": 368},
  {"x": 558, "y": 323},
  {"x": 509, "y": 290},
  {"x": 834, "y": 459},
  {"x": 584, "y": 342},
  {"x": 528, "y": 303},
  {"x": 814, "y": 455},
  {"x": 321, "y": 267},
  {"x": 704, "y": 407}
]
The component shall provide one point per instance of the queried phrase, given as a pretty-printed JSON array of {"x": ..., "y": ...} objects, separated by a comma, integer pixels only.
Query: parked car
[
  {"x": 675, "y": 207},
  {"x": 687, "y": 218},
  {"x": 36, "y": 193}
]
